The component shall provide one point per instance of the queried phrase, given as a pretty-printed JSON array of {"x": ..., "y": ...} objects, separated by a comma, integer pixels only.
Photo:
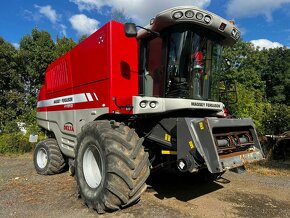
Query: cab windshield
[
  {"x": 183, "y": 63},
  {"x": 193, "y": 61}
]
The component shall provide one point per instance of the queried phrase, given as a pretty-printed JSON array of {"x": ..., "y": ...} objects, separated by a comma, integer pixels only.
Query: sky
[{"x": 265, "y": 23}]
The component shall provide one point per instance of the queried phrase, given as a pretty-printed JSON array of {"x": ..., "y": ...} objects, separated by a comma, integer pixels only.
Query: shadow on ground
[{"x": 182, "y": 186}]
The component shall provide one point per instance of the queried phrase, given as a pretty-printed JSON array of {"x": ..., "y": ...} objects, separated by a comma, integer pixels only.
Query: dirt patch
[
  {"x": 257, "y": 205},
  {"x": 24, "y": 193}
]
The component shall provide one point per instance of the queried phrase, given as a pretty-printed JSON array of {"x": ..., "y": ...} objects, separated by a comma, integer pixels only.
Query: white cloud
[
  {"x": 90, "y": 4},
  {"x": 141, "y": 11},
  {"x": 29, "y": 15},
  {"x": 265, "y": 43},
  {"x": 48, "y": 12},
  {"x": 83, "y": 24},
  {"x": 62, "y": 29},
  {"x": 247, "y": 8},
  {"x": 51, "y": 14}
]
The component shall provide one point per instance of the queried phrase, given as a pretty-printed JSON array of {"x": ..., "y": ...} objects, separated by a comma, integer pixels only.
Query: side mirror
[
  {"x": 130, "y": 29},
  {"x": 227, "y": 64}
]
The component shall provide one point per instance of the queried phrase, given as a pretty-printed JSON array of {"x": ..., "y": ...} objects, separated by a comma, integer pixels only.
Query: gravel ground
[{"x": 24, "y": 193}]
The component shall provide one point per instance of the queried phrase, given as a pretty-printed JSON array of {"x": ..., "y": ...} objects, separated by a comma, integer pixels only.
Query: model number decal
[
  {"x": 203, "y": 104},
  {"x": 212, "y": 105},
  {"x": 63, "y": 100},
  {"x": 68, "y": 127}
]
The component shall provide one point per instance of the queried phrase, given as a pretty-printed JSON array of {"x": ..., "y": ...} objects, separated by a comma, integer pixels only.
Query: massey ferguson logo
[{"x": 68, "y": 127}]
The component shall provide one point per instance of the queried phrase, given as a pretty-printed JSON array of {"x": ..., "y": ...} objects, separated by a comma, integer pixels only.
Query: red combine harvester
[{"x": 122, "y": 103}]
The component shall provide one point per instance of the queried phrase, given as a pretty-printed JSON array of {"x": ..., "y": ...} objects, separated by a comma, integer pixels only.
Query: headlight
[
  {"x": 189, "y": 14},
  {"x": 143, "y": 104},
  {"x": 153, "y": 104},
  {"x": 207, "y": 19},
  {"x": 199, "y": 15},
  {"x": 177, "y": 15}
]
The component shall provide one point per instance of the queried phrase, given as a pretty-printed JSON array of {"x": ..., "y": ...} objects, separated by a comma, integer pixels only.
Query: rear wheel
[
  {"x": 48, "y": 158},
  {"x": 111, "y": 166}
]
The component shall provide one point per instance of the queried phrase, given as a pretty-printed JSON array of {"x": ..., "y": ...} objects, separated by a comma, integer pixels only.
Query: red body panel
[{"x": 104, "y": 66}]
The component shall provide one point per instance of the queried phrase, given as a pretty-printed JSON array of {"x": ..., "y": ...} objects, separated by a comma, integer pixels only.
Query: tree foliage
[
  {"x": 8, "y": 67},
  {"x": 277, "y": 119},
  {"x": 262, "y": 78},
  {"x": 63, "y": 45},
  {"x": 276, "y": 74},
  {"x": 22, "y": 74},
  {"x": 11, "y": 84},
  {"x": 36, "y": 53}
]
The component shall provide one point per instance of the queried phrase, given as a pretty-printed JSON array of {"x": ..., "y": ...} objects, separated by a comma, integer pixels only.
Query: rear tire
[
  {"x": 47, "y": 158},
  {"x": 111, "y": 166}
]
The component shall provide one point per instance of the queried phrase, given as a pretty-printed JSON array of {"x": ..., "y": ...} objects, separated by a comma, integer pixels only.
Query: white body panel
[{"x": 67, "y": 124}]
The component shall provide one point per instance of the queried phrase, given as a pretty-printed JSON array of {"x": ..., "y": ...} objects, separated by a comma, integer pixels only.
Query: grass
[{"x": 270, "y": 168}]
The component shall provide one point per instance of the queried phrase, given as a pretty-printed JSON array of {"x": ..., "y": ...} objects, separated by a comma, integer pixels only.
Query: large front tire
[
  {"x": 111, "y": 166},
  {"x": 47, "y": 158}
]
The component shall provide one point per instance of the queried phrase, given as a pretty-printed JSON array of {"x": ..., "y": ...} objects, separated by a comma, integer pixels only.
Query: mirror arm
[{"x": 150, "y": 31}]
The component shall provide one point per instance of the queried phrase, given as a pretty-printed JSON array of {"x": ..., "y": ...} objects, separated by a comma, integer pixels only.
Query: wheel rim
[
  {"x": 92, "y": 166},
  {"x": 42, "y": 158}
]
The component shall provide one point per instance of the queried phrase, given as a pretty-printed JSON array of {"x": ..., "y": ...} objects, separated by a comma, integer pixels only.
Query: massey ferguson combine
[{"x": 122, "y": 103}]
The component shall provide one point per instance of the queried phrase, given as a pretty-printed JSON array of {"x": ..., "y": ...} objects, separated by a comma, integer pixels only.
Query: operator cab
[{"x": 184, "y": 59}]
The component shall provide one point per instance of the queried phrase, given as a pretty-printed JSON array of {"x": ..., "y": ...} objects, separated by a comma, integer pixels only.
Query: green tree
[
  {"x": 36, "y": 51},
  {"x": 251, "y": 104},
  {"x": 9, "y": 78},
  {"x": 63, "y": 45},
  {"x": 276, "y": 74},
  {"x": 263, "y": 84},
  {"x": 11, "y": 87},
  {"x": 83, "y": 37},
  {"x": 277, "y": 119},
  {"x": 247, "y": 65}
]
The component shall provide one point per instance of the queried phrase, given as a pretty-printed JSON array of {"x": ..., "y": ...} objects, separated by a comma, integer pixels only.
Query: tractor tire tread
[
  {"x": 137, "y": 148},
  {"x": 56, "y": 162},
  {"x": 125, "y": 174},
  {"x": 140, "y": 166}
]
